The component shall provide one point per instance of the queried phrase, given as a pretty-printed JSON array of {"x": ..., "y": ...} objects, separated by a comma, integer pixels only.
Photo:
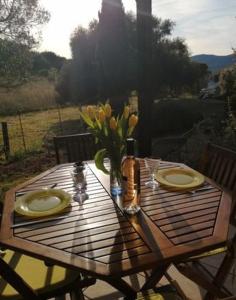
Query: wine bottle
[{"x": 131, "y": 179}]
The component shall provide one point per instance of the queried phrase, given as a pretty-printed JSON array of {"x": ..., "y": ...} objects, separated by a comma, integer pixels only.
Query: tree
[
  {"x": 45, "y": 61},
  {"x": 173, "y": 71},
  {"x": 103, "y": 66},
  {"x": 15, "y": 63},
  {"x": 19, "y": 20},
  {"x": 84, "y": 83},
  {"x": 112, "y": 48},
  {"x": 64, "y": 83}
]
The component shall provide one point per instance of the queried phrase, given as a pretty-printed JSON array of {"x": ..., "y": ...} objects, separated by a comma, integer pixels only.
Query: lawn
[{"x": 37, "y": 126}]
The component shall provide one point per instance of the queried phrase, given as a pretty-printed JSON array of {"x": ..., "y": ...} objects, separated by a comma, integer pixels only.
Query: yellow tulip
[
  {"x": 113, "y": 123},
  {"x": 84, "y": 109},
  {"x": 126, "y": 112},
  {"x": 101, "y": 115},
  {"x": 107, "y": 110},
  {"x": 91, "y": 111},
  {"x": 133, "y": 120},
  {"x": 96, "y": 113}
]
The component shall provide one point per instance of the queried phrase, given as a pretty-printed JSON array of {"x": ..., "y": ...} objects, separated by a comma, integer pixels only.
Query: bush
[{"x": 174, "y": 116}]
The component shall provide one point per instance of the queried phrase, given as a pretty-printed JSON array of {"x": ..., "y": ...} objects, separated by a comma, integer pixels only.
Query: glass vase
[{"x": 115, "y": 179}]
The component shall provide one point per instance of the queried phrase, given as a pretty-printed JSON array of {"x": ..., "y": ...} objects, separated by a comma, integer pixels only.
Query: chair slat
[{"x": 76, "y": 147}]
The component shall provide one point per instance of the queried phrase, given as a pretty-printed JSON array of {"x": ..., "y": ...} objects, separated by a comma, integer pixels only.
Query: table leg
[
  {"x": 123, "y": 287},
  {"x": 155, "y": 277}
]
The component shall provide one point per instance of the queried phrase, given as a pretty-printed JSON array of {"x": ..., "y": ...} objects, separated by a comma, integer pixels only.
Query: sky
[{"x": 207, "y": 26}]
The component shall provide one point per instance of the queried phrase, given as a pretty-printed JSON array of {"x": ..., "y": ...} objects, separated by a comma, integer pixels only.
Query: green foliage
[
  {"x": 174, "y": 72},
  {"x": 227, "y": 81},
  {"x": 46, "y": 61},
  {"x": 19, "y": 20},
  {"x": 15, "y": 63},
  {"x": 99, "y": 160}
]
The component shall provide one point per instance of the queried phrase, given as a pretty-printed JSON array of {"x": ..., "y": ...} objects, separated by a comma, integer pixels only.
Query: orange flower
[
  {"x": 101, "y": 115},
  {"x": 113, "y": 123},
  {"x": 133, "y": 120},
  {"x": 107, "y": 109},
  {"x": 91, "y": 111}
]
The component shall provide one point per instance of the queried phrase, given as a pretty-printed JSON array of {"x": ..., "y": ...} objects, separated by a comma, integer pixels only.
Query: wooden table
[{"x": 98, "y": 239}]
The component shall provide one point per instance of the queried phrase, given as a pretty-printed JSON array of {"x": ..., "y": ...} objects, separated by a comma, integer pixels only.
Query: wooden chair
[
  {"x": 166, "y": 292},
  {"x": 218, "y": 164},
  {"x": 23, "y": 277},
  {"x": 76, "y": 147}
]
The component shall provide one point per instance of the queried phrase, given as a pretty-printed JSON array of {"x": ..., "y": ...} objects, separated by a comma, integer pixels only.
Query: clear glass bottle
[{"x": 131, "y": 180}]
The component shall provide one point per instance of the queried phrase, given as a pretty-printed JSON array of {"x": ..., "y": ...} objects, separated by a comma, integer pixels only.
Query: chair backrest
[
  {"x": 219, "y": 164},
  {"x": 76, "y": 147}
]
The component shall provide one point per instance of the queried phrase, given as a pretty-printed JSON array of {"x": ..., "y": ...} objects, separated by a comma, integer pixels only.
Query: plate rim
[
  {"x": 64, "y": 196},
  {"x": 193, "y": 184}
]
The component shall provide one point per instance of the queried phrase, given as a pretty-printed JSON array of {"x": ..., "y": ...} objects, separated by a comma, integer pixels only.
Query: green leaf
[
  {"x": 86, "y": 119},
  {"x": 99, "y": 160}
]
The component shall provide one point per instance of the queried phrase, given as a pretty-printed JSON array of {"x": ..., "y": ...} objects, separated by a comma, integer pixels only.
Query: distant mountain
[{"x": 215, "y": 62}]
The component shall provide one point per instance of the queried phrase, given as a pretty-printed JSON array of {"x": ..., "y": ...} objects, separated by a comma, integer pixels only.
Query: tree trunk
[{"x": 144, "y": 30}]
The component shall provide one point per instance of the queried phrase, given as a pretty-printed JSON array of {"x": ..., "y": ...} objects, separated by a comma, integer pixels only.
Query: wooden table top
[{"x": 98, "y": 238}]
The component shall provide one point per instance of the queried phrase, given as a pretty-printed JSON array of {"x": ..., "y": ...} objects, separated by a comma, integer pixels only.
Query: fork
[{"x": 205, "y": 187}]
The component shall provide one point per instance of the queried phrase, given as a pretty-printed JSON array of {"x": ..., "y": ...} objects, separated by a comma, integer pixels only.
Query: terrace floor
[{"x": 103, "y": 291}]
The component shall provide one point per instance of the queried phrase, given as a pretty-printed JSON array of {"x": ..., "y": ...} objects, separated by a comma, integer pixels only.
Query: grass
[
  {"x": 20, "y": 170},
  {"x": 39, "y": 126},
  {"x": 38, "y": 94}
]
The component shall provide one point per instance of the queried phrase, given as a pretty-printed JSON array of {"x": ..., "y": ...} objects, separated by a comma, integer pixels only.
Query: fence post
[
  {"x": 59, "y": 116},
  {"x": 5, "y": 140},
  {"x": 22, "y": 131}
]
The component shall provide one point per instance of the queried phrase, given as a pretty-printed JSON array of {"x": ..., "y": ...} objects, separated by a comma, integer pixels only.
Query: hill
[{"x": 215, "y": 62}]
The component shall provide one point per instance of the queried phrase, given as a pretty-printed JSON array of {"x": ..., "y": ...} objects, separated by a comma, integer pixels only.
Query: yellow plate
[
  {"x": 42, "y": 202},
  {"x": 179, "y": 178}
]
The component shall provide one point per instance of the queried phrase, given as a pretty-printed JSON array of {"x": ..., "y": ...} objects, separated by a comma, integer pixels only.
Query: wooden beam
[{"x": 144, "y": 32}]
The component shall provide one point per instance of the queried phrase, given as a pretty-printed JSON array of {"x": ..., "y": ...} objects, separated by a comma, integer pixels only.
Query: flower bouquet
[{"x": 111, "y": 133}]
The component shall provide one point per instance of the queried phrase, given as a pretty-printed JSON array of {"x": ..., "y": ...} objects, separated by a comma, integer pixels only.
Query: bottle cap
[{"x": 130, "y": 146}]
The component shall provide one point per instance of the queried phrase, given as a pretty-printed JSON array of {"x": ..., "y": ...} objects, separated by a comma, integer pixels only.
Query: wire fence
[{"x": 34, "y": 131}]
